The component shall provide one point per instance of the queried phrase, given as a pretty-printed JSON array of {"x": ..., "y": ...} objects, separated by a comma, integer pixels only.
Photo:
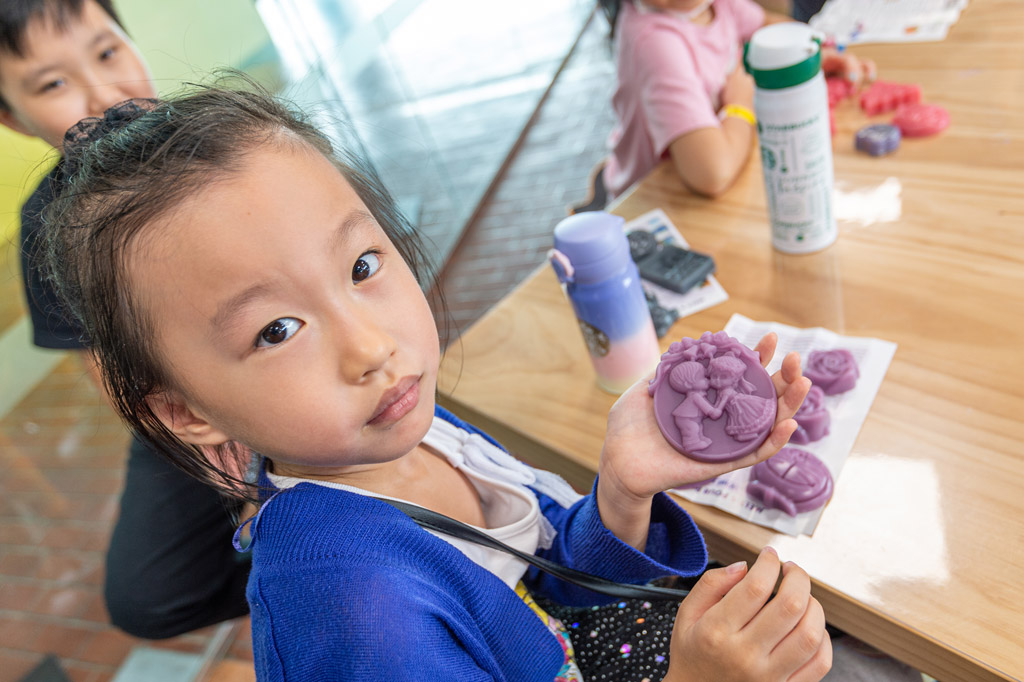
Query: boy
[{"x": 170, "y": 566}]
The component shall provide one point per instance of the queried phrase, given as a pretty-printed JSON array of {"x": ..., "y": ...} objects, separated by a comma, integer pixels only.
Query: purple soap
[
  {"x": 792, "y": 480},
  {"x": 712, "y": 399},
  {"x": 878, "y": 139},
  {"x": 834, "y": 371},
  {"x": 812, "y": 418}
]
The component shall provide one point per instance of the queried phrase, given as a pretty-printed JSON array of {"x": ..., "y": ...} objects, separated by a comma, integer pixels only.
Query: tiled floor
[{"x": 62, "y": 450}]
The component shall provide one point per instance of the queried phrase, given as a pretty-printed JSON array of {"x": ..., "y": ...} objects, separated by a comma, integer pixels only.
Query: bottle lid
[
  {"x": 595, "y": 245},
  {"x": 783, "y": 55}
]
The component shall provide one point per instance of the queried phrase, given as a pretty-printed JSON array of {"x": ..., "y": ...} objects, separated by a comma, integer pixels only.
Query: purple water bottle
[{"x": 591, "y": 258}]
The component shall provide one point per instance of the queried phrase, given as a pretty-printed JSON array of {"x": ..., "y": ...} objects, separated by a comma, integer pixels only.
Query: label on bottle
[
  {"x": 597, "y": 341},
  {"x": 796, "y": 156}
]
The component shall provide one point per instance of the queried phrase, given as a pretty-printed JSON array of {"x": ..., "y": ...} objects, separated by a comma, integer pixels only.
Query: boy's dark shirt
[
  {"x": 161, "y": 584},
  {"x": 52, "y": 324}
]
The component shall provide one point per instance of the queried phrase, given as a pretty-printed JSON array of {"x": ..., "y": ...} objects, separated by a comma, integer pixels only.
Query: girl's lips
[{"x": 397, "y": 402}]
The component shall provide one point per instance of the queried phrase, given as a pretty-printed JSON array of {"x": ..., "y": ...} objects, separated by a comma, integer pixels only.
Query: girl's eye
[
  {"x": 107, "y": 54},
  {"x": 52, "y": 85},
  {"x": 366, "y": 266},
  {"x": 278, "y": 331}
]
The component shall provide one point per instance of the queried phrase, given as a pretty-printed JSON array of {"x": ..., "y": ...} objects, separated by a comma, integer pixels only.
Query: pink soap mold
[
  {"x": 884, "y": 96},
  {"x": 839, "y": 88},
  {"x": 921, "y": 120},
  {"x": 812, "y": 418},
  {"x": 712, "y": 399},
  {"x": 833, "y": 371},
  {"x": 792, "y": 480}
]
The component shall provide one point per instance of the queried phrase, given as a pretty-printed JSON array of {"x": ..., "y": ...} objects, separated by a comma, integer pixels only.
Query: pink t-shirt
[{"x": 670, "y": 74}]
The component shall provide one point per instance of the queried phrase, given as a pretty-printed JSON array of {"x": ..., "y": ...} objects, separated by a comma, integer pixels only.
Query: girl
[
  {"x": 682, "y": 92},
  {"x": 747, "y": 414},
  {"x": 246, "y": 289}
]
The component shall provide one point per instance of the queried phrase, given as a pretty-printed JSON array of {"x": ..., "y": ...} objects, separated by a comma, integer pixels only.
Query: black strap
[{"x": 432, "y": 520}]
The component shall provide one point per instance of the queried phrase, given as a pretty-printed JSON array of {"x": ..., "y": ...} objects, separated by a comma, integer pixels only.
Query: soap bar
[
  {"x": 712, "y": 399},
  {"x": 834, "y": 371},
  {"x": 812, "y": 418},
  {"x": 792, "y": 480},
  {"x": 919, "y": 120},
  {"x": 884, "y": 96},
  {"x": 878, "y": 139}
]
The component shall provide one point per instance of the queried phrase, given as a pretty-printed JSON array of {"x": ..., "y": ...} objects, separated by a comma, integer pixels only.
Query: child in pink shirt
[{"x": 682, "y": 92}]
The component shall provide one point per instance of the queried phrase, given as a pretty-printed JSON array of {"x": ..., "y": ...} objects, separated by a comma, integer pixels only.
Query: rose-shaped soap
[
  {"x": 812, "y": 418},
  {"x": 712, "y": 399},
  {"x": 792, "y": 480},
  {"x": 834, "y": 371}
]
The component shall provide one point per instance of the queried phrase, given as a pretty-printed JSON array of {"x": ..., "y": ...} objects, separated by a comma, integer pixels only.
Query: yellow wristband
[{"x": 737, "y": 111}]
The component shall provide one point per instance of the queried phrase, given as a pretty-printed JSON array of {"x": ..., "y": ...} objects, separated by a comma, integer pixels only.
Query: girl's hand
[
  {"x": 738, "y": 88},
  {"x": 637, "y": 462},
  {"x": 835, "y": 63},
  {"x": 727, "y": 629},
  {"x": 640, "y": 462}
]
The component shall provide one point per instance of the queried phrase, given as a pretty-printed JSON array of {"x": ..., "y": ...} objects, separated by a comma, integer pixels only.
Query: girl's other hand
[
  {"x": 727, "y": 629},
  {"x": 638, "y": 462},
  {"x": 738, "y": 88},
  {"x": 835, "y": 63}
]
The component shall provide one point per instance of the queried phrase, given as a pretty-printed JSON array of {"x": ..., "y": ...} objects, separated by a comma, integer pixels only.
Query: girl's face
[
  {"x": 721, "y": 379},
  {"x": 287, "y": 319}
]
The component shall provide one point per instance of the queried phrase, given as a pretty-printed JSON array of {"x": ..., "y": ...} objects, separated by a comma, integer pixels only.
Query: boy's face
[{"x": 69, "y": 73}]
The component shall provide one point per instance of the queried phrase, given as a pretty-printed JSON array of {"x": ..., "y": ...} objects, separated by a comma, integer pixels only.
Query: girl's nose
[{"x": 366, "y": 348}]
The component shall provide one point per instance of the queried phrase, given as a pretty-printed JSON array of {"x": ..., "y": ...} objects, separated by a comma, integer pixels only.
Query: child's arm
[
  {"x": 727, "y": 629},
  {"x": 637, "y": 462},
  {"x": 709, "y": 160}
]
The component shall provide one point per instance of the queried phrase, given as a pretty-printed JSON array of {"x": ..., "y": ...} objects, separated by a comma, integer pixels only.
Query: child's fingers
[
  {"x": 777, "y": 439},
  {"x": 818, "y": 666},
  {"x": 782, "y": 614},
  {"x": 793, "y": 397},
  {"x": 869, "y": 69},
  {"x": 744, "y": 601},
  {"x": 804, "y": 643},
  {"x": 765, "y": 348},
  {"x": 708, "y": 591},
  {"x": 788, "y": 373},
  {"x": 844, "y": 64}
]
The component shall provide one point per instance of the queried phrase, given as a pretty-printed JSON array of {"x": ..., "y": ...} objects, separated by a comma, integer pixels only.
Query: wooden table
[{"x": 921, "y": 551}]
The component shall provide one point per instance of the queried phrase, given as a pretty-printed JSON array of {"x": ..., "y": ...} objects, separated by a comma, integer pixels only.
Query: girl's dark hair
[
  {"x": 16, "y": 15},
  {"x": 124, "y": 172}
]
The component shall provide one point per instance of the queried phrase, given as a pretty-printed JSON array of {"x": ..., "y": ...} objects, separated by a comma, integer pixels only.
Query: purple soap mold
[
  {"x": 812, "y": 418},
  {"x": 834, "y": 371},
  {"x": 792, "y": 480},
  {"x": 878, "y": 139},
  {"x": 712, "y": 399}
]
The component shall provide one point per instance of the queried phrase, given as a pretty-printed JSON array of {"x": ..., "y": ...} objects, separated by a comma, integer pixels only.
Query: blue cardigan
[{"x": 344, "y": 587}]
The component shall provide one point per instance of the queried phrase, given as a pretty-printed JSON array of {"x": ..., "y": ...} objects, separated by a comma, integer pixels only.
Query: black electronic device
[{"x": 666, "y": 265}]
